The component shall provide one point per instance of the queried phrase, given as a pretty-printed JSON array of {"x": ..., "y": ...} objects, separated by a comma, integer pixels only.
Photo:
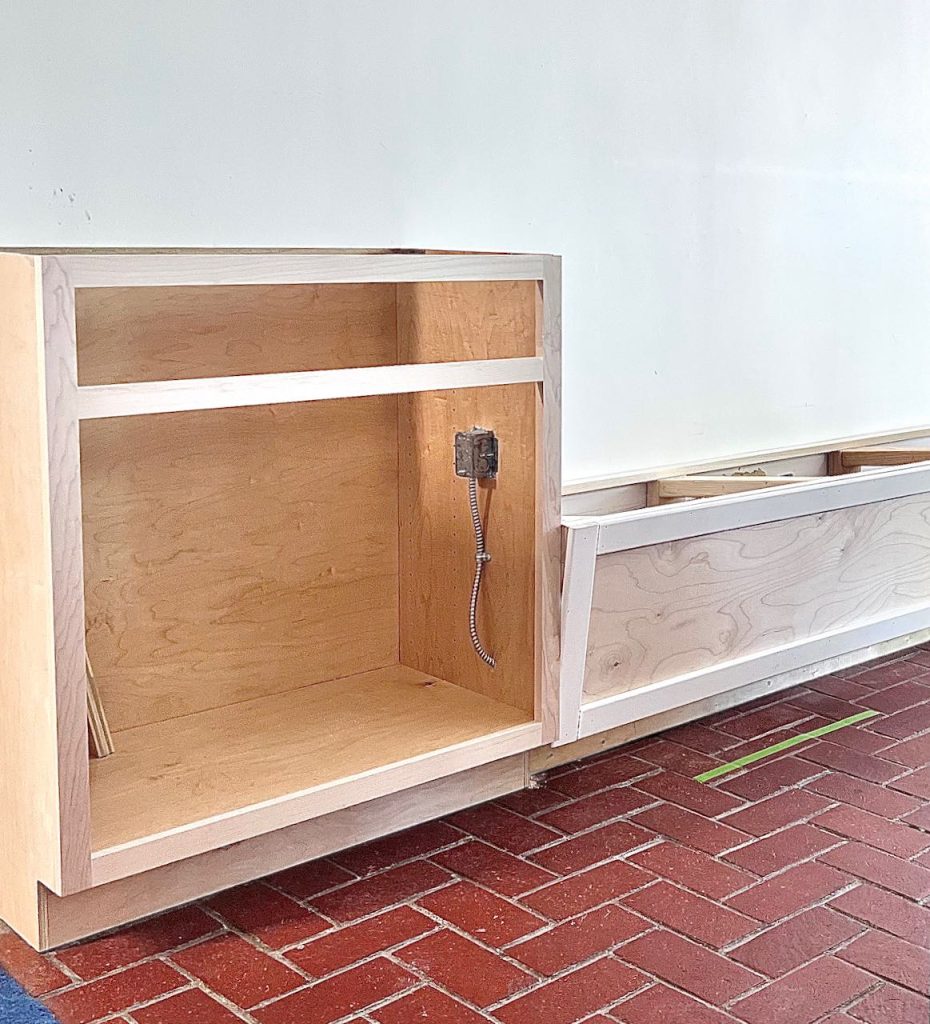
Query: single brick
[
  {"x": 684, "y": 964},
  {"x": 427, "y": 1005},
  {"x": 349, "y": 944},
  {"x": 494, "y": 869},
  {"x": 789, "y": 892},
  {"x": 854, "y": 823},
  {"x": 269, "y": 915},
  {"x": 489, "y": 918},
  {"x": 805, "y": 995},
  {"x": 586, "y": 890},
  {"x": 690, "y": 829},
  {"x": 503, "y": 828},
  {"x": 589, "y": 848},
  {"x": 694, "y": 916},
  {"x": 579, "y": 939},
  {"x": 886, "y": 911},
  {"x": 377, "y": 892},
  {"x": 340, "y": 995},
  {"x": 693, "y": 870},
  {"x": 465, "y": 968},
  {"x": 600, "y": 807},
  {"x": 663, "y": 1005},
  {"x": 795, "y": 942},
  {"x": 777, "y": 851},
  {"x": 881, "y": 868},
  {"x": 237, "y": 970},
  {"x": 395, "y": 849},
  {"x": 573, "y": 996},
  {"x": 771, "y": 777},
  {"x": 875, "y": 799},
  {"x": 777, "y": 811},
  {"x": 891, "y": 958}
]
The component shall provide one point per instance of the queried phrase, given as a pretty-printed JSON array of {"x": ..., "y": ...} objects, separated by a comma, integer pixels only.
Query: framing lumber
[
  {"x": 859, "y": 458},
  {"x": 713, "y": 486}
]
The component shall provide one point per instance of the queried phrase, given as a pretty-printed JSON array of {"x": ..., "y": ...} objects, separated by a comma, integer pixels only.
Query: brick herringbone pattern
[{"x": 618, "y": 892}]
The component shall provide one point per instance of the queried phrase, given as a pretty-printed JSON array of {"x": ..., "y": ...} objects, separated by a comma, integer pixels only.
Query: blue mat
[{"x": 16, "y": 1007}]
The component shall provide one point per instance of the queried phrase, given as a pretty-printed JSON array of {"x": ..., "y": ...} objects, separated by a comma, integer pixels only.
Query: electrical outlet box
[{"x": 476, "y": 454}]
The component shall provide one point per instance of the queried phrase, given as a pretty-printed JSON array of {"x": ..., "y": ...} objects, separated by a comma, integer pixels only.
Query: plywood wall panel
[
  {"x": 180, "y": 333},
  {"x": 235, "y": 553}
]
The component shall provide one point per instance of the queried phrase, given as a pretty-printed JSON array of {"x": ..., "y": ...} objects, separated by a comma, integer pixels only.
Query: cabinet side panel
[
  {"x": 30, "y": 836},
  {"x": 468, "y": 320}
]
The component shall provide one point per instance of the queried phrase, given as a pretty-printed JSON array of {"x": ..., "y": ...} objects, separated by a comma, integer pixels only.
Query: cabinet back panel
[
  {"x": 439, "y": 321},
  {"x": 148, "y": 334},
  {"x": 235, "y": 553}
]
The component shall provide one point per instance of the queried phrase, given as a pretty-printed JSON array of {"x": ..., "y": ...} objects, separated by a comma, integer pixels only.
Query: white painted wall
[{"x": 739, "y": 187}]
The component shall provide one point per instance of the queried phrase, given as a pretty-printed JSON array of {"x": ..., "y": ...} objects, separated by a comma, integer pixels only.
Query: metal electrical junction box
[{"x": 476, "y": 454}]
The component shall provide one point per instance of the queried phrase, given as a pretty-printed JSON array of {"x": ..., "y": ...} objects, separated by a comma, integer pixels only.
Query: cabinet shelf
[{"x": 177, "y": 787}]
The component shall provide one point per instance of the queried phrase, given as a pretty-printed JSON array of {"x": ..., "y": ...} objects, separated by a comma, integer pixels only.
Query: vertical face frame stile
[
  {"x": 66, "y": 537},
  {"x": 549, "y": 499}
]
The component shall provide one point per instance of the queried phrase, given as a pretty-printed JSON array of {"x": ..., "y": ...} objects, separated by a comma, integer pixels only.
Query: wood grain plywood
[
  {"x": 481, "y": 320},
  {"x": 169, "y": 774},
  {"x": 235, "y": 553},
  {"x": 30, "y": 837},
  {"x": 437, "y": 542},
  {"x": 449, "y": 321},
  {"x": 151, "y": 334},
  {"x": 670, "y": 609}
]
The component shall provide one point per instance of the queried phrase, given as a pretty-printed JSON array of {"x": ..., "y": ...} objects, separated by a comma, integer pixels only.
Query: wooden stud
[
  {"x": 857, "y": 458},
  {"x": 713, "y": 486}
]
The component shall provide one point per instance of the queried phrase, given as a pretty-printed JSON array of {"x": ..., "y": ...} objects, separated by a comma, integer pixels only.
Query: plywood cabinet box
[{"x": 228, "y": 485}]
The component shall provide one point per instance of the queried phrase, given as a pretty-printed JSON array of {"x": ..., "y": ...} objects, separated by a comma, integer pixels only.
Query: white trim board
[
  {"x": 656, "y": 698},
  {"x": 145, "y": 398},
  {"x": 123, "y": 270},
  {"x": 625, "y": 530}
]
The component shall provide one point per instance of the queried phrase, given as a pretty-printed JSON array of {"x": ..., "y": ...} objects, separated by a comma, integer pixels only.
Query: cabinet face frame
[{"x": 67, "y": 403}]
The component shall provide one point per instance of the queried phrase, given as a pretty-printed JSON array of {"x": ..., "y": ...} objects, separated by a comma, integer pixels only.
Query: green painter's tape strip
[{"x": 777, "y": 748}]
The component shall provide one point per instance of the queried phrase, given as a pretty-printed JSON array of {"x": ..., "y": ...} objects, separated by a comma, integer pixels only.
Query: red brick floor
[{"x": 618, "y": 892}]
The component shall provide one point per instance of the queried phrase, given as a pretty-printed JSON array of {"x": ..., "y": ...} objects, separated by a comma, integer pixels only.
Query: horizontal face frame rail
[
  {"x": 134, "y": 270},
  {"x": 145, "y": 398}
]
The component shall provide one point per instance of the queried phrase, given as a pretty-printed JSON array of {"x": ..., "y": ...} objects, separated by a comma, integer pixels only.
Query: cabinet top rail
[{"x": 154, "y": 268}]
